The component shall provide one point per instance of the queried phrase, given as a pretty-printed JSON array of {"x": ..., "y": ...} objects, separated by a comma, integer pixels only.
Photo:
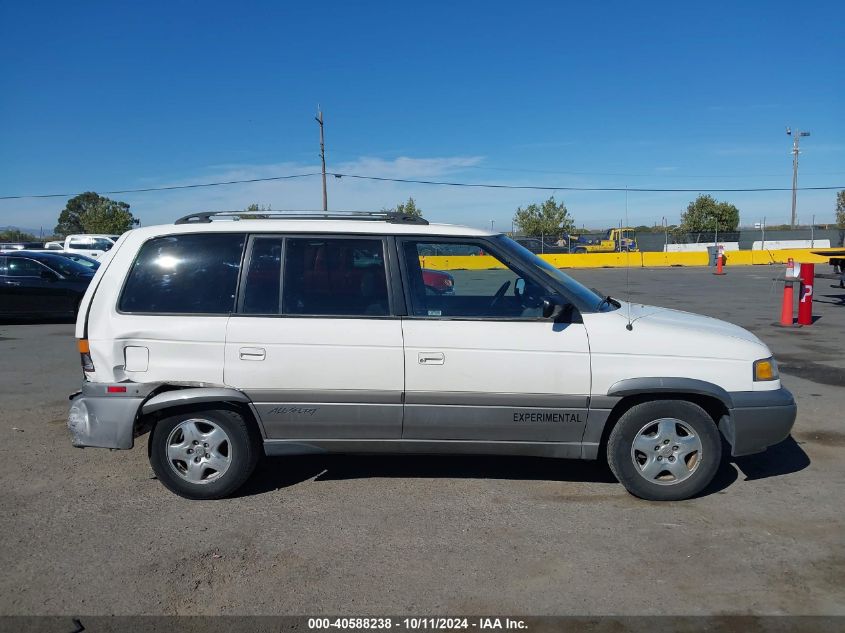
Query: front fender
[{"x": 637, "y": 386}]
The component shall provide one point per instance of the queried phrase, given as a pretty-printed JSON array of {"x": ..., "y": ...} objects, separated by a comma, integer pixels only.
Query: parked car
[
  {"x": 438, "y": 281},
  {"x": 41, "y": 284},
  {"x": 282, "y": 336},
  {"x": 91, "y": 245},
  {"x": 18, "y": 246},
  {"x": 84, "y": 260}
]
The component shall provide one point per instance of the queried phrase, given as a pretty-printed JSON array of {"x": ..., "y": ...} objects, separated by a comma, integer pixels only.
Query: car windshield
[
  {"x": 88, "y": 262},
  {"x": 63, "y": 265},
  {"x": 583, "y": 297}
]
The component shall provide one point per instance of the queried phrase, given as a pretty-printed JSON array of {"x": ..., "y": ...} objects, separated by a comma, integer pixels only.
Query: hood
[
  {"x": 675, "y": 319},
  {"x": 661, "y": 332}
]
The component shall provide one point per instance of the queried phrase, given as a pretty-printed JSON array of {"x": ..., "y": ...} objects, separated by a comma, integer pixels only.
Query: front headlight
[{"x": 766, "y": 369}]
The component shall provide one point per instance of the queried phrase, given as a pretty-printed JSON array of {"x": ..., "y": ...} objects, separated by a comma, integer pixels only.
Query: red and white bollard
[{"x": 805, "y": 303}]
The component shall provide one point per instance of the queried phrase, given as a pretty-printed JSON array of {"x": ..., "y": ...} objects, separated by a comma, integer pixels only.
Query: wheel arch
[
  {"x": 715, "y": 401},
  {"x": 170, "y": 400}
]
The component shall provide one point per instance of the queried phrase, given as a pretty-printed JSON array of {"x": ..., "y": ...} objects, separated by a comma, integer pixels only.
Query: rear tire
[
  {"x": 665, "y": 450},
  {"x": 204, "y": 454}
]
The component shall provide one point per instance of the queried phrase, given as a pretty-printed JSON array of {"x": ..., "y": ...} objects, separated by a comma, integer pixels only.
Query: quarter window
[
  {"x": 188, "y": 274},
  {"x": 335, "y": 277}
]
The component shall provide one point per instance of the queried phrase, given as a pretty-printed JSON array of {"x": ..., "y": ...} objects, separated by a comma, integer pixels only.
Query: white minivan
[{"x": 292, "y": 334}]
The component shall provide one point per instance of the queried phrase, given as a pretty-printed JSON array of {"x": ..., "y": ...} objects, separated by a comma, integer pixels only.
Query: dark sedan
[{"x": 41, "y": 285}]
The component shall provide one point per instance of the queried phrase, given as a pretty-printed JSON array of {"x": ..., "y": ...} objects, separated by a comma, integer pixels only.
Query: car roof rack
[{"x": 393, "y": 217}]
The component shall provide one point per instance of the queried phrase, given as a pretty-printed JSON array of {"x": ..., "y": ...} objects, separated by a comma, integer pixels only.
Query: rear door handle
[
  {"x": 13, "y": 283},
  {"x": 252, "y": 353},
  {"x": 431, "y": 358}
]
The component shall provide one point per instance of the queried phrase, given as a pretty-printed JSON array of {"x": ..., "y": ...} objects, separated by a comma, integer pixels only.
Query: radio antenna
[{"x": 630, "y": 325}]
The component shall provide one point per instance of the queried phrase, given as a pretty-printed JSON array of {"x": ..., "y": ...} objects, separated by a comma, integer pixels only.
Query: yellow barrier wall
[{"x": 621, "y": 260}]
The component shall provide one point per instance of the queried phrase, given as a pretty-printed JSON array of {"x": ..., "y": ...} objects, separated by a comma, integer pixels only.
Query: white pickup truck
[{"x": 90, "y": 245}]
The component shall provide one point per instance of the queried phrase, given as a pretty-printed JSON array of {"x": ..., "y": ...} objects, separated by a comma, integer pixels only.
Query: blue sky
[{"x": 100, "y": 96}]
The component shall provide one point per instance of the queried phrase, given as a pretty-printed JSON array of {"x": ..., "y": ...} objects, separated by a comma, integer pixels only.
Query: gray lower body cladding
[
  {"x": 420, "y": 422},
  {"x": 758, "y": 419}
]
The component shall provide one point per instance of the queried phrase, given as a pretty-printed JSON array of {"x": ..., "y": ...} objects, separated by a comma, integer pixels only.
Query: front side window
[
  {"x": 443, "y": 289},
  {"x": 186, "y": 274},
  {"x": 335, "y": 277},
  {"x": 22, "y": 267}
]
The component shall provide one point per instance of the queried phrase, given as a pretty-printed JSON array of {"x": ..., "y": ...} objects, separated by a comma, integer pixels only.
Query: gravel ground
[{"x": 92, "y": 532}]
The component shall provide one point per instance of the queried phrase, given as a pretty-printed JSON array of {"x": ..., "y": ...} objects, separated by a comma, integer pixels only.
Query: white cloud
[{"x": 460, "y": 205}]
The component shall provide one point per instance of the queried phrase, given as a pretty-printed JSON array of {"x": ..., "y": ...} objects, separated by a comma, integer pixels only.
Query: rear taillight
[{"x": 85, "y": 356}]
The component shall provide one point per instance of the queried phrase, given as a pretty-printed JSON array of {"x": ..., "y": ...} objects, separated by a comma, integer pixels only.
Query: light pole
[{"x": 796, "y": 138}]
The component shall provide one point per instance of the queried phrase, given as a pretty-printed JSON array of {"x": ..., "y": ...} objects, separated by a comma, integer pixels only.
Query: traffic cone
[
  {"x": 787, "y": 305},
  {"x": 719, "y": 263}
]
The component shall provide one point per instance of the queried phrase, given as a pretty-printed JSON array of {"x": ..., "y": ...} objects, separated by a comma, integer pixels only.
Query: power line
[
  {"x": 627, "y": 175},
  {"x": 443, "y": 183},
  {"x": 169, "y": 188},
  {"x": 560, "y": 188}
]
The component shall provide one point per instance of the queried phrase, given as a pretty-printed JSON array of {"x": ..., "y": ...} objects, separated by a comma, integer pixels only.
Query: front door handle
[
  {"x": 252, "y": 353},
  {"x": 431, "y": 358},
  {"x": 13, "y": 283}
]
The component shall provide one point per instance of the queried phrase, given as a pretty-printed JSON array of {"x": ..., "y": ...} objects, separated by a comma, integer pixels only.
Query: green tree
[
  {"x": 840, "y": 215},
  {"x": 257, "y": 208},
  {"x": 705, "y": 212},
  {"x": 16, "y": 235},
  {"x": 407, "y": 208},
  {"x": 547, "y": 218},
  {"x": 91, "y": 213}
]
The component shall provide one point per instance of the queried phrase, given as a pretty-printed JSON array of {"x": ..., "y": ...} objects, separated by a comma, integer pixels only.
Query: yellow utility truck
[{"x": 614, "y": 241}]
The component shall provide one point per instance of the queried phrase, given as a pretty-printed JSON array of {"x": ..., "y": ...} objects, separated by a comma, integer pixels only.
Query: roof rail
[{"x": 393, "y": 217}]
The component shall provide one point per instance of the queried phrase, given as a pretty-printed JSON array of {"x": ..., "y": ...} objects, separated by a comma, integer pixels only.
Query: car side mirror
[
  {"x": 519, "y": 287},
  {"x": 553, "y": 308},
  {"x": 48, "y": 275}
]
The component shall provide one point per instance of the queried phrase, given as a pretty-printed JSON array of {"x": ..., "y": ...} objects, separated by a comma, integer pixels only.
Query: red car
[{"x": 437, "y": 281}]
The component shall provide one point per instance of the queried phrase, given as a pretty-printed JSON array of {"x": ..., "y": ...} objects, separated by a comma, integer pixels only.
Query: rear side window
[
  {"x": 91, "y": 244},
  {"x": 187, "y": 274},
  {"x": 335, "y": 277}
]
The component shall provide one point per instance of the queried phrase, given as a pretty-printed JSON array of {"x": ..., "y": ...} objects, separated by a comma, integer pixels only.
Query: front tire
[
  {"x": 204, "y": 454},
  {"x": 665, "y": 450}
]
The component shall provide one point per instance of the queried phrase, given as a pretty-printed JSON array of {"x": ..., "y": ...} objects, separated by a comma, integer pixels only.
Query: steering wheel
[{"x": 500, "y": 293}]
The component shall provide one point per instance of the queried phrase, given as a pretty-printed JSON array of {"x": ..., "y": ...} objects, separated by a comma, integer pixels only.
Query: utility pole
[
  {"x": 796, "y": 138},
  {"x": 319, "y": 119}
]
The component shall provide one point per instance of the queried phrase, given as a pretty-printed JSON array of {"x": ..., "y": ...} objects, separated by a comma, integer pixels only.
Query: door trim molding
[
  {"x": 325, "y": 396},
  {"x": 481, "y": 399}
]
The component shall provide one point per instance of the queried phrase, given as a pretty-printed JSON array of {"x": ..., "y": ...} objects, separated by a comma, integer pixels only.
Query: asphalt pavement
[{"x": 92, "y": 532}]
